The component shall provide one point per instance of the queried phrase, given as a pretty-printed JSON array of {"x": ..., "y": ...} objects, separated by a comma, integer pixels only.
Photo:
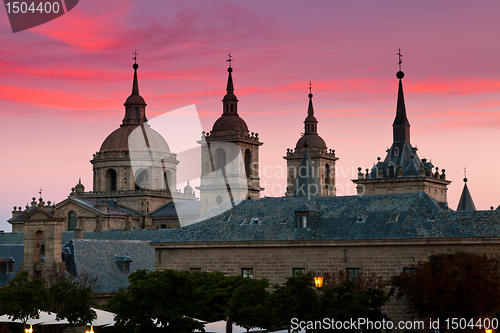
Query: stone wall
[{"x": 276, "y": 260}]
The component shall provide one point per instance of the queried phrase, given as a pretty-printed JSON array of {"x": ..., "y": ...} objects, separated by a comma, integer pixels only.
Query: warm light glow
[
  {"x": 91, "y": 330},
  {"x": 29, "y": 330},
  {"x": 488, "y": 331},
  {"x": 318, "y": 281}
]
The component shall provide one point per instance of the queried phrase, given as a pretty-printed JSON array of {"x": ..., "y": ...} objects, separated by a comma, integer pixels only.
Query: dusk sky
[{"x": 63, "y": 84}]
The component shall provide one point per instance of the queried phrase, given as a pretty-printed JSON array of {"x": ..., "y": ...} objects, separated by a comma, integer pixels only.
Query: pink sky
[{"x": 63, "y": 83}]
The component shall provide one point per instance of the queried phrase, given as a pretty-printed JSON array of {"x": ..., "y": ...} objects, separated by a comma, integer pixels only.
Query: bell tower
[{"x": 230, "y": 156}]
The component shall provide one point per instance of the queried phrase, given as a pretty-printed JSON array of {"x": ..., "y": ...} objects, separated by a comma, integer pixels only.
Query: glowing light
[
  {"x": 318, "y": 281},
  {"x": 91, "y": 330}
]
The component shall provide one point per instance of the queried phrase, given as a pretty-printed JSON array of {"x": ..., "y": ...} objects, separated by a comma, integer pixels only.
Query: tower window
[
  {"x": 220, "y": 158},
  {"x": 71, "y": 221},
  {"x": 327, "y": 174},
  {"x": 248, "y": 162},
  {"x": 219, "y": 200},
  {"x": 141, "y": 179},
  {"x": 110, "y": 180}
]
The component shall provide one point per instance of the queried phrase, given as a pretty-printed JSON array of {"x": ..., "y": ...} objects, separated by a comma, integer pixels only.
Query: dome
[
  {"x": 135, "y": 100},
  {"x": 230, "y": 122},
  {"x": 313, "y": 141},
  {"x": 118, "y": 140}
]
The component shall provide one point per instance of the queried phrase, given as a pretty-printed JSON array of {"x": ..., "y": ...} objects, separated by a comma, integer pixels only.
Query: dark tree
[
  {"x": 160, "y": 301},
  {"x": 23, "y": 297},
  {"x": 72, "y": 301},
  {"x": 214, "y": 290},
  {"x": 454, "y": 285},
  {"x": 248, "y": 307},
  {"x": 296, "y": 298},
  {"x": 344, "y": 303}
]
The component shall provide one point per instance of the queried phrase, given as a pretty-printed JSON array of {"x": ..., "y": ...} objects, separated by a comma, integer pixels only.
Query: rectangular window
[
  {"x": 409, "y": 270},
  {"x": 352, "y": 273},
  {"x": 301, "y": 221},
  {"x": 297, "y": 270},
  {"x": 247, "y": 272},
  {"x": 126, "y": 267},
  {"x": 10, "y": 267},
  {"x": 393, "y": 218}
]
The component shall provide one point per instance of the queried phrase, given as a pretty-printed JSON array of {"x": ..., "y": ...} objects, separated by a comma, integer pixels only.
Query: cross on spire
[
  {"x": 40, "y": 193},
  {"x": 230, "y": 59},
  {"x": 400, "y": 58},
  {"x": 310, "y": 85},
  {"x": 465, "y": 172},
  {"x": 135, "y": 56}
]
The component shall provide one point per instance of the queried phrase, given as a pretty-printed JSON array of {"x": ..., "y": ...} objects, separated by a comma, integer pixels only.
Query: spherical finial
[
  {"x": 400, "y": 75},
  {"x": 310, "y": 95},
  {"x": 465, "y": 180},
  {"x": 135, "y": 66},
  {"x": 306, "y": 144},
  {"x": 229, "y": 69}
]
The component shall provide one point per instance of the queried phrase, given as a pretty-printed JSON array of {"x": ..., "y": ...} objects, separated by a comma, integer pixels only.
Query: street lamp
[
  {"x": 488, "y": 331},
  {"x": 318, "y": 281},
  {"x": 29, "y": 330},
  {"x": 91, "y": 330}
]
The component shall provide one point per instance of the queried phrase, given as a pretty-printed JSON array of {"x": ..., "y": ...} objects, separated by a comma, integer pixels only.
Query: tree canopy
[{"x": 451, "y": 285}]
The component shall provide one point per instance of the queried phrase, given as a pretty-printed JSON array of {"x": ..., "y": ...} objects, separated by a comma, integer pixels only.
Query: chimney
[{"x": 78, "y": 233}]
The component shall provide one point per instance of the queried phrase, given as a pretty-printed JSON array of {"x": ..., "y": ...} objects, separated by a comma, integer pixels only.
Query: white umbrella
[
  {"x": 104, "y": 318},
  {"x": 220, "y": 327},
  {"x": 44, "y": 317}
]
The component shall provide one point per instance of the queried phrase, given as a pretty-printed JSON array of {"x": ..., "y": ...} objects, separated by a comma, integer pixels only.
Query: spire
[
  {"x": 230, "y": 102},
  {"x": 310, "y": 123},
  {"x": 305, "y": 183},
  {"x": 135, "y": 106},
  {"x": 401, "y": 125},
  {"x": 466, "y": 202}
]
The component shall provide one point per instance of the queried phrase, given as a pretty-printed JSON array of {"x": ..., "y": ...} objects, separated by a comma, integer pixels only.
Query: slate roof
[
  {"x": 99, "y": 258},
  {"x": 9, "y": 252},
  {"x": 118, "y": 234},
  {"x": 179, "y": 208},
  {"x": 395, "y": 216}
]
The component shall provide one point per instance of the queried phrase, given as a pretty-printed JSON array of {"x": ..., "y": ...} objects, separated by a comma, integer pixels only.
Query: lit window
[
  {"x": 295, "y": 271},
  {"x": 352, "y": 273},
  {"x": 247, "y": 272}
]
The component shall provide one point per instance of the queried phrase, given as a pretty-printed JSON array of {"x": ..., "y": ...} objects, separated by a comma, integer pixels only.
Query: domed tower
[
  {"x": 230, "y": 157},
  {"x": 135, "y": 165},
  {"x": 322, "y": 159},
  {"x": 402, "y": 171}
]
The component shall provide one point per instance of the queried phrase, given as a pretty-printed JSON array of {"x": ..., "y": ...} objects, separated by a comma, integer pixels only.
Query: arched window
[
  {"x": 168, "y": 179},
  {"x": 39, "y": 249},
  {"x": 71, "y": 221},
  {"x": 248, "y": 162},
  {"x": 141, "y": 179},
  {"x": 110, "y": 180},
  {"x": 327, "y": 175},
  {"x": 220, "y": 158}
]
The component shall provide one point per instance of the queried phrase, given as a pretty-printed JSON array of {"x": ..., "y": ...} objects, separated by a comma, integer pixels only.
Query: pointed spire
[
  {"x": 305, "y": 183},
  {"x": 466, "y": 202},
  {"x": 401, "y": 125},
  {"x": 230, "y": 102},
  {"x": 135, "y": 106},
  {"x": 310, "y": 123}
]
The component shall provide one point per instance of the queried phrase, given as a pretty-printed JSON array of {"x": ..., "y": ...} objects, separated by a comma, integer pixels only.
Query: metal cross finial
[
  {"x": 230, "y": 59},
  {"x": 465, "y": 172},
  {"x": 40, "y": 193},
  {"x": 400, "y": 56},
  {"x": 135, "y": 56},
  {"x": 310, "y": 85}
]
